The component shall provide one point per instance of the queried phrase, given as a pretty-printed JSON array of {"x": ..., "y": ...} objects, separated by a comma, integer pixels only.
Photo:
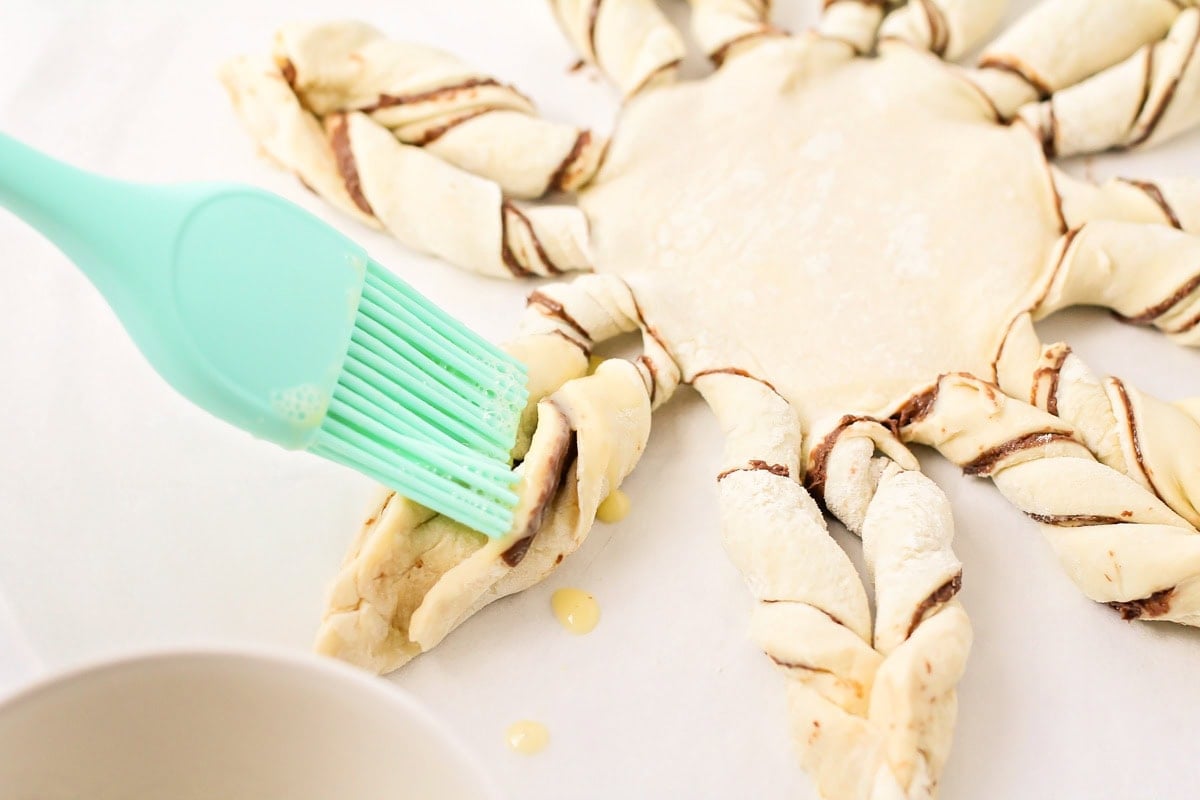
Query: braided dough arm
[
  {"x": 727, "y": 28},
  {"x": 1060, "y": 42},
  {"x": 411, "y": 577},
  {"x": 1153, "y": 442},
  {"x": 872, "y": 483},
  {"x": 1148, "y": 274},
  {"x": 867, "y": 722},
  {"x": 629, "y": 40},
  {"x": 360, "y": 167},
  {"x": 431, "y": 99},
  {"x": 1151, "y": 96},
  {"x": 1168, "y": 201},
  {"x": 1120, "y": 544},
  {"x": 948, "y": 28},
  {"x": 855, "y": 22},
  {"x": 811, "y": 614},
  {"x": 286, "y": 132}
]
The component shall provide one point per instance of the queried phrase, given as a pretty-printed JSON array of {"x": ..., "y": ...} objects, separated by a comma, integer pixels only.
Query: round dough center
[{"x": 845, "y": 229}]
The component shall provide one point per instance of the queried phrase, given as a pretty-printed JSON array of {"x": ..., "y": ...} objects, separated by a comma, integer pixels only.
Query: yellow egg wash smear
[
  {"x": 575, "y": 609},
  {"x": 527, "y": 737},
  {"x": 614, "y": 507}
]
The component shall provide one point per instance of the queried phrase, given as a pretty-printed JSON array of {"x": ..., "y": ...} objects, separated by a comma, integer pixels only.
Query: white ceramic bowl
[{"x": 228, "y": 726}]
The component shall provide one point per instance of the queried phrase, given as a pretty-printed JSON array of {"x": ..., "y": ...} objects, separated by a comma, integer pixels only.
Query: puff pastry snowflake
[{"x": 842, "y": 240}]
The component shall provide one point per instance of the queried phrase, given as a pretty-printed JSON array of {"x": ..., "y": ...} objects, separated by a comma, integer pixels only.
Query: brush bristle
[{"x": 426, "y": 407}]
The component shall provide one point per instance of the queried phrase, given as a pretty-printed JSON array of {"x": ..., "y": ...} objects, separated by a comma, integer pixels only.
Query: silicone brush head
[
  {"x": 272, "y": 320},
  {"x": 426, "y": 407}
]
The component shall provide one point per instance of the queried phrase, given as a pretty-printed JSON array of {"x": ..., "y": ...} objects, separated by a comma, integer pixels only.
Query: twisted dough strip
[
  {"x": 855, "y": 22},
  {"x": 1150, "y": 441},
  {"x": 429, "y": 98},
  {"x": 1151, "y": 96},
  {"x": 869, "y": 721},
  {"x": 1061, "y": 42},
  {"x": 1169, "y": 201},
  {"x": 430, "y": 205},
  {"x": 727, "y": 28},
  {"x": 412, "y": 577},
  {"x": 948, "y": 28},
  {"x": 1119, "y": 542},
  {"x": 594, "y": 308},
  {"x": 1148, "y": 274},
  {"x": 344, "y": 109},
  {"x": 630, "y": 40}
]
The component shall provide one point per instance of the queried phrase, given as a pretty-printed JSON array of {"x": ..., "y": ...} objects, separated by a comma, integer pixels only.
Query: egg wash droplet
[
  {"x": 613, "y": 508},
  {"x": 527, "y": 737},
  {"x": 576, "y": 610}
]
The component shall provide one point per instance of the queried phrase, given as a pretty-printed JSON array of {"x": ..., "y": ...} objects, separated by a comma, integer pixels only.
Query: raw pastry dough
[{"x": 843, "y": 254}]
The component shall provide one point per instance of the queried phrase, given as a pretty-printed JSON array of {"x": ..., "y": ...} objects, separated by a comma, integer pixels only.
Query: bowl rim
[{"x": 324, "y": 667}]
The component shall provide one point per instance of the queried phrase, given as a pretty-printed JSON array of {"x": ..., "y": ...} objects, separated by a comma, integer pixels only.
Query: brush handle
[
  {"x": 70, "y": 207},
  {"x": 244, "y": 302},
  {"x": 119, "y": 234},
  {"x": 47, "y": 193}
]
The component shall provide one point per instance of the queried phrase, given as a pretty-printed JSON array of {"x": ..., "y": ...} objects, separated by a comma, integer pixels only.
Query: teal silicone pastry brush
[{"x": 270, "y": 319}]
